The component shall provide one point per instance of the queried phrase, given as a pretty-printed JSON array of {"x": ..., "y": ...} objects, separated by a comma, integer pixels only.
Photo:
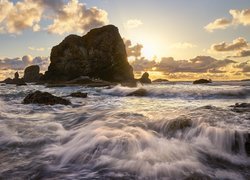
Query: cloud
[
  {"x": 218, "y": 24},
  {"x": 66, "y": 18},
  {"x": 76, "y": 17},
  {"x": 244, "y": 66},
  {"x": 133, "y": 23},
  {"x": 239, "y": 17},
  {"x": 36, "y": 49},
  {"x": 22, "y": 63},
  {"x": 183, "y": 45},
  {"x": 143, "y": 64},
  {"x": 243, "y": 53},
  {"x": 133, "y": 50},
  {"x": 237, "y": 44}
]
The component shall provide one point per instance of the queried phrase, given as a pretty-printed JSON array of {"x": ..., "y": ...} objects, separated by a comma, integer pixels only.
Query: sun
[{"x": 148, "y": 51}]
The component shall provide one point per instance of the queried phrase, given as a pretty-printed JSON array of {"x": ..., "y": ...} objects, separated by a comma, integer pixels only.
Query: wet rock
[
  {"x": 31, "y": 74},
  {"x": 179, "y": 124},
  {"x": 79, "y": 95},
  {"x": 202, "y": 81},
  {"x": 241, "y": 107},
  {"x": 45, "y": 98},
  {"x": 160, "y": 80},
  {"x": 140, "y": 92},
  {"x": 247, "y": 144},
  {"x": 99, "y": 54},
  {"x": 145, "y": 78}
]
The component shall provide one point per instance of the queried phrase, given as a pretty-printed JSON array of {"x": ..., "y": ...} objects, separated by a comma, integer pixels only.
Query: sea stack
[{"x": 100, "y": 54}]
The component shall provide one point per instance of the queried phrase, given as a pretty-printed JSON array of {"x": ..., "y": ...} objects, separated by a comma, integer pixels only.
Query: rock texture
[
  {"x": 45, "y": 98},
  {"x": 202, "y": 81},
  {"x": 241, "y": 107},
  {"x": 145, "y": 78},
  {"x": 139, "y": 92},
  {"x": 79, "y": 95},
  {"x": 99, "y": 54},
  {"x": 31, "y": 74}
]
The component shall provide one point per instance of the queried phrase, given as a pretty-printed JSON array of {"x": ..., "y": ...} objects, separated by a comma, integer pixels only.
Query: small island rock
[
  {"x": 202, "y": 81},
  {"x": 145, "y": 78},
  {"x": 31, "y": 74}
]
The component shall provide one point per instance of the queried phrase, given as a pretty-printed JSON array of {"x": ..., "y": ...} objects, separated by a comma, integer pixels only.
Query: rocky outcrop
[
  {"x": 79, "y": 95},
  {"x": 17, "y": 81},
  {"x": 99, "y": 54},
  {"x": 31, "y": 74},
  {"x": 44, "y": 98},
  {"x": 139, "y": 92},
  {"x": 145, "y": 78},
  {"x": 160, "y": 80},
  {"x": 202, "y": 81}
]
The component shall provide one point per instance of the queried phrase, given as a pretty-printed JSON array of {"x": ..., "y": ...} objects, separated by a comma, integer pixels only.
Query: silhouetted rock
[
  {"x": 79, "y": 95},
  {"x": 45, "y": 98},
  {"x": 247, "y": 144},
  {"x": 99, "y": 54},
  {"x": 145, "y": 78},
  {"x": 31, "y": 74},
  {"x": 17, "y": 81},
  {"x": 160, "y": 80},
  {"x": 202, "y": 81},
  {"x": 140, "y": 92}
]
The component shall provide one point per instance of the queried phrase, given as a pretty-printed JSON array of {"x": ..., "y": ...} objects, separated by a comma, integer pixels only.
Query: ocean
[{"x": 178, "y": 131}]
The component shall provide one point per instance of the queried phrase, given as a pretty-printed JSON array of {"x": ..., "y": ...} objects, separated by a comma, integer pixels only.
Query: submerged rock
[
  {"x": 45, "y": 98},
  {"x": 99, "y": 54},
  {"x": 202, "y": 81},
  {"x": 241, "y": 107},
  {"x": 139, "y": 92},
  {"x": 79, "y": 95},
  {"x": 145, "y": 78},
  {"x": 31, "y": 74}
]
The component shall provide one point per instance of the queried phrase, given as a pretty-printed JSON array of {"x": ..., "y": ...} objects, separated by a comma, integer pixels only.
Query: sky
[{"x": 188, "y": 31}]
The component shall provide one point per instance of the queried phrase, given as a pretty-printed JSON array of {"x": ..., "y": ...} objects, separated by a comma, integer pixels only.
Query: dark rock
[
  {"x": 202, "y": 81},
  {"x": 17, "y": 81},
  {"x": 140, "y": 92},
  {"x": 160, "y": 80},
  {"x": 31, "y": 74},
  {"x": 241, "y": 107},
  {"x": 45, "y": 98},
  {"x": 247, "y": 144},
  {"x": 145, "y": 78},
  {"x": 79, "y": 95},
  {"x": 99, "y": 54}
]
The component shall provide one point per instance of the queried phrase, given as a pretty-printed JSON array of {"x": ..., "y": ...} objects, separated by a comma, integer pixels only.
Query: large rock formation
[
  {"x": 99, "y": 54},
  {"x": 31, "y": 74}
]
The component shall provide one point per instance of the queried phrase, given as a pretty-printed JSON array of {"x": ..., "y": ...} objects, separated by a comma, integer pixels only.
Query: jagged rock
[
  {"x": 160, "y": 80},
  {"x": 31, "y": 74},
  {"x": 202, "y": 81},
  {"x": 99, "y": 54},
  {"x": 79, "y": 95},
  {"x": 17, "y": 81},
  {"x": 45, "y": 98},
  {"x": 140, "y": 92},
  {"x": 145, "y": 78}
]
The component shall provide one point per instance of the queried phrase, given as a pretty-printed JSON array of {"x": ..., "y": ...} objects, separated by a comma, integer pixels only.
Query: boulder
[
  {"x": 45, "y": 98},
  {"x": 99, "y": 54},
  {"x": 139, "y": 92},
  {"x": 145, "y": 78},
  {"x": 79, "y": 95},
  {"x": 31, "y": 74},
  {"x": 202, "y": 81}
]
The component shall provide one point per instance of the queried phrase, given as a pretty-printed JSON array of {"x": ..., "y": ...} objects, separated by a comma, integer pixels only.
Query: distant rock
[
  {"x": 245, "y": 80},
  {"x": 45, "y": 98},
  {"x": 241, "y": 107},
  {"x": 79, "y": 95},
  {"x": 202, "y": 81},
  {"x": 31, "y": 74},
  {"x": 139, "y": 92},
  {"x": 145, "y": 78},
  {"x": 160, "y": 80},
  {"x": 99, "y": 54},
  {"x": 17, "y": 81}
]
